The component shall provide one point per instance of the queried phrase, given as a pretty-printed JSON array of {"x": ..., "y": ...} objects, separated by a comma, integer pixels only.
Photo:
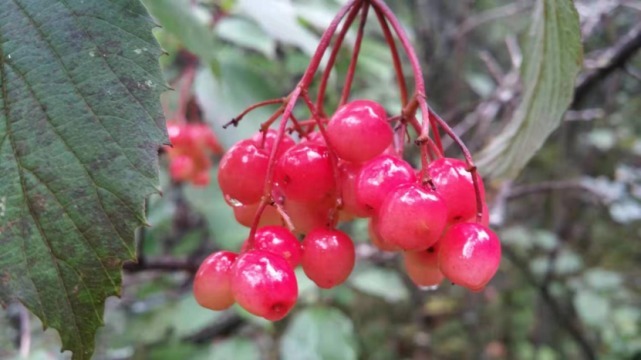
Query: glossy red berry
[
  {"x": 309, "y": 215},
  {"x": 378, "y": 178},
  {"x": 304, "y": 172},
  {"x": 348, "y": 175},
  {"x": 279, "y": 241},
  {"x": 267, "y": 140},
  {"x": 454, "y": 183},
  {"x": 359, "y": 131},
  {"x": 422, "y": 266},
  {"x": 242, "y": 172},
  {"x": 412, "y": 218},
  {"x": 264, "y": 284},
  {"x": 469, "y": 255},
  {"x": 376, "y": 239},
  {"x": 328, "y": 257},
  {"x": 212, "y": 283}
]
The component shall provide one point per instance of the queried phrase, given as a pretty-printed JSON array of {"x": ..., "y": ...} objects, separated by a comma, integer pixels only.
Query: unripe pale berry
[
  {"x": 348, "y": 175},
  {"x": 376, "y": 239},
  {"x": 244, "y": 214},
  {"x": 359, "y": 131},
  {"x": 469, "y": 255},
  {"x": 212, "y": 283},
  {"x": 264, "y": 284},
  {"x": 412, "y": 218},
  {"x": 328, "y": 257},
  {"x": 422, "y": 266}
]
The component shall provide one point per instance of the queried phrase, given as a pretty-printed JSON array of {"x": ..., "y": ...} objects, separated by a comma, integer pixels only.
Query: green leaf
[
  {"x": 80, "y": 126},
  {"x": 552, "y": 61},
  {"x": 383, "y": 283},
  {"x": 234, "y": 348},
  {"x": 319, "y": 333},
  {"x": 246, "y": 34},
  {"x": 181, "y": 18}
]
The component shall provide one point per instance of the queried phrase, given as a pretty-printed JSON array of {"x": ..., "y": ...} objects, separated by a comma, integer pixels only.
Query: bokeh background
[{"x": 569, "y": 284}]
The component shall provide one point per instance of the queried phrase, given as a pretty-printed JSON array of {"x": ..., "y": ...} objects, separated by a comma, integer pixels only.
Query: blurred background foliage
[{"x": 568, "y": 287}]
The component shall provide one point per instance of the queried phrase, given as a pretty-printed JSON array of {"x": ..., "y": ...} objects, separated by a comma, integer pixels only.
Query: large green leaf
[
  {"x": 551, "y": 63},
  {"x": 319, "y": 333},
  {"x": 80, "y": 125}
]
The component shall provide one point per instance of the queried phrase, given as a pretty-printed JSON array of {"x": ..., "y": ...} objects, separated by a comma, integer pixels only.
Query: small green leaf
[
  {"x": 319, "y": 333},
  {"x": 80, "y": 128},
  {"x": 551, "y": 63},
  {"x": 383, "y": 283}
]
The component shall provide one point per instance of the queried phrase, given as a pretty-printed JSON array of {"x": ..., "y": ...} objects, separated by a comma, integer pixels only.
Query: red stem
[
  {"x": 400, "y": 78},
  {"x": 338, "y": 42},
  {"x": 251, "y": 108},
  {"x": 304, "y": 83},
  {"x": 351, "y": 70}
]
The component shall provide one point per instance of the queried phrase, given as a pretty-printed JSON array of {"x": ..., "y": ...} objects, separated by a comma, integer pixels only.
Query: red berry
[
  {"x": 328, "y": 257},
  {"x": 348, "y": 175},
  {"x": 201, "y": 178},
  {"x": 181, "y": 167},
  {"x": 316, "y": 137},
  {"x": 376, "y": 239},
  {"x": 422, "y": 266},
  {"x": 379, "y": 177},
  {"x": 454, "y": 183},
  {"x": 244, "y": 214},
  {"x": 279, "y": 241},
  {"x": 470, "y": 254},
  {"x": 212, "y": 284},
  {"x": 264, "y": 284},
  {"x": 309, "y": 215},
  {"x": 304, "y": 172},
  {"x": 412, "y": 218},
  {"x": 178, "y": 134},
  {"x": 242, "y": 172},
  {"x": 359, "y": 131},
  {"x": 267, "y": 140}
]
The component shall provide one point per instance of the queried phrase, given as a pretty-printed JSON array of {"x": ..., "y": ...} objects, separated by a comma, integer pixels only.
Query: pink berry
[
  {"x": 309, "y": 215},
  {"x": 376, "y": 239},
  {"x": 348, "y": 175},
  {"x": 328, "y": 257},
  {"x": 359, "y": 131},
  {"x": 470, "y": 255},
  {"x": 454, "y": 183},
  {"x": 201, "y": 178},
  {"x": 212, "y": 283},
  {"x": 379, "y": 177},
  {"x": 316, "y": 137},
  {"x": 244, "y": 214},
  {"x": 422, "y": 266},
  {"x": 269, "y": 139},
  {"x": 412, "y": 218},
  {"x": 264, "y": 284},
  {"x": 181, "y": 167},
  {"x": 279, "y": 241},
  {"x": 304, "y": 172},
  {"x": 242, "y": 172}
]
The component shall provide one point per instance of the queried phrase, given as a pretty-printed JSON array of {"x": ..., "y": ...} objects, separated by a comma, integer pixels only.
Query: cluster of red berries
[
  {"x": 189, "y": 156},
  {"x": 350, "y": 169}
]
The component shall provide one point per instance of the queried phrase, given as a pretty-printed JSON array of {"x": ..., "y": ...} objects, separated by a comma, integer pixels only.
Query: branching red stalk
[
  {"x": 396, "y": 60},
  {"x": 251, "y": 108},
  {"x": 351, "y": 70},
  {"x": 338, "y": 42},
  {"x": 302, "y": 87}
]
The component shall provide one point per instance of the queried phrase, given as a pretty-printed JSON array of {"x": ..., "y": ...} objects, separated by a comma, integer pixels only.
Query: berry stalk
[{"x": 357, "y": 48}]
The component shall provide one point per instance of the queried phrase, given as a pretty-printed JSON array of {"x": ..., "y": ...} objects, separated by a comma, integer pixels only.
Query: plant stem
[
  {"x": 396, "y": 60},
  {"x": 351, "y": 70}
]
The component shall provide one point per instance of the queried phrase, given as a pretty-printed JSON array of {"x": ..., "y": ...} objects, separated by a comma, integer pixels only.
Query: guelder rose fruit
[
  {"x": 304, "y": 172},
  {"x": 378, "y": 178},
  {"x": 454, "y": 183},
  {"x": 242, "y": 172},
  {"x": 412, "y": 218},
  {"x": 328, "y": 257},
  {"x": 279, "y": 241},
  {"x": 358, "y": 131},
  {"x": 264, "y": 284},
  {"x": 212, "y": 284},
  {"x": 422, "y": 266},
  {"x": 267, "y": 140},
  {"x": 469, "y": 255}
]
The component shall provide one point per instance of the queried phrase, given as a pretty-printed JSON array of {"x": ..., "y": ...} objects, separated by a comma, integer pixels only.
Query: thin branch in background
[
  {"x": 584, "y": 115},
  {"x": 166, "y": 264},
  {"x": 497, "y": 13},
  {"x": 557, "y": 185},
  {"x": 492, "y": 65},
  {"x": 632, "y": 71},
  {"x": 25, "y": 332},
  {"x": 608, "y": 61}
]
